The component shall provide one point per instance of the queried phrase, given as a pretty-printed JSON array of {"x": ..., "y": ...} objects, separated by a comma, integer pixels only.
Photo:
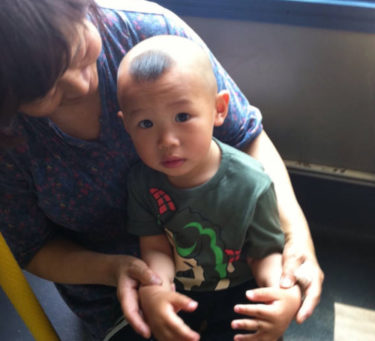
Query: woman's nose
[{"x": 76, "y": 82}]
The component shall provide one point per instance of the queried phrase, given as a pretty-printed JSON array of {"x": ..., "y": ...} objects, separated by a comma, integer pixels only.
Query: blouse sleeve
[
  {"x": 22, "y": 223},
  {"x": 244, "y": 121}
]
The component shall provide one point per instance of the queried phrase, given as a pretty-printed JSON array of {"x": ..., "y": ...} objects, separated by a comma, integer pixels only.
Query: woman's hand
[
  {"x": 299, "y": 248},
  {"x": 160, "y": 307},
  {"x": 129, "y": 274},
  {"x": 271, "y": 314},
  {"x": 63, "y": 261},
  {"x": 302, "y": 267}
]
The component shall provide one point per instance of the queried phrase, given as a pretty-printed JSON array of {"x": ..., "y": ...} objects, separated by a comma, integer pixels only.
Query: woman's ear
[
  {"x": 222, "y": 103},
  {"x": 122, "y": 116}
]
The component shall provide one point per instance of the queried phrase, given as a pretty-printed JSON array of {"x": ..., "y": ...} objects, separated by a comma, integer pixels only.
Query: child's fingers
[
  {"x": 178, "y": 330},
  {"x": 175, "y": 332},
  {"x": 246, "y": 337},
  {"x": 182, "y": 302},
  {"x": 259, "y": 330},
  {"x": 245, "y": 324},
  {"x": 265, "y": 295},
  {"x": 255, "y": 311}
]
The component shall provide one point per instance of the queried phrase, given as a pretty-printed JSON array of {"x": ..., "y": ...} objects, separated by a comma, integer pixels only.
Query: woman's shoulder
[
  {"x": 139, "y": 19},
  {"x": 125, "y": 23},
  {"x": 131, "y": 5}
]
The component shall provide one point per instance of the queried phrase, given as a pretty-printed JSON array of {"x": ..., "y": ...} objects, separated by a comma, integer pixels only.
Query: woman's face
[{"x": 78, "y": 81}]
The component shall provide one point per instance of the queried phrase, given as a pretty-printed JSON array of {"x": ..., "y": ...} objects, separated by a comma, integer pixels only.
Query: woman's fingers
[
  {"x": 311, "y": 279},
  {"x": 304, "y": 275},
  {"x": 133, "y": 271},
  {"x": 291, "y": 262},
  {"x": 139, "y": 271},
  {"x": 127, "y": 293},
  {"x": 298, "y": 267}
]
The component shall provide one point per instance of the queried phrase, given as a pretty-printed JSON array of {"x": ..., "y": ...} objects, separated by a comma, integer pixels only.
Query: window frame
[{"x": 334, "y": 14}]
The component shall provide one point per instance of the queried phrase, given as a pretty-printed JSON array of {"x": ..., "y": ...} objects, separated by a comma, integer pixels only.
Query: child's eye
[
  {"x": 182, "y": 117},
  {"x": 145, "y": 124}
]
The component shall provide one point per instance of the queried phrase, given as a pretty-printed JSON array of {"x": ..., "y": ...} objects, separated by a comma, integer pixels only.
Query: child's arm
[
  {"x": 267, "y": 270},
  {"x": 161, "y": 303},
  {"x": 156, "y": 252},
  {"x": 274, "y": 309}
]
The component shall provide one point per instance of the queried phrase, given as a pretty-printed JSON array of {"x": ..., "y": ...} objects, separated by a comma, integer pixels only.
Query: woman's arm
[
  {"x": 77, "y": 265},
  {"x": 299, "y": 247},
  {"x": 62, "y": 261}
]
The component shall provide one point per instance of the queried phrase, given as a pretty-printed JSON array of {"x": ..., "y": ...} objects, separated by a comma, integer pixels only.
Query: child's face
[{"x": 171, "y": 122}]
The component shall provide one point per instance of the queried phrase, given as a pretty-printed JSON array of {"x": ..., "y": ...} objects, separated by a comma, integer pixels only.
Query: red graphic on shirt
[
  {"x": 234, "y": 255},
  {"x": 163, "y": 200}
]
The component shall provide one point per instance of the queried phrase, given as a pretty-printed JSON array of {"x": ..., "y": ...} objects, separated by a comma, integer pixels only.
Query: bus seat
[{"x": 19, "y": 292}]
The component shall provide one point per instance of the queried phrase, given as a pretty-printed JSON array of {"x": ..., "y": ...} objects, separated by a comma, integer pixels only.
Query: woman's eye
[
  {"x": 182, "y": 117},
  {"x": 145, "y": 124}
]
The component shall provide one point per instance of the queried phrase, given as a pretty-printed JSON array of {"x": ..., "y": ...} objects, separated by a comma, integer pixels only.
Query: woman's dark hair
[{"x": 34, "y": 49}]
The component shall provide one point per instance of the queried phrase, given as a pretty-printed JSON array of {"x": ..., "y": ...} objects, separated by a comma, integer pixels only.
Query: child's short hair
[{"x": 150, "y": 65}]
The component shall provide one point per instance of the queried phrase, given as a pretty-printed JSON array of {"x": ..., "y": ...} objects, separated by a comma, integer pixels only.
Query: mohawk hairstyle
[{"x": 150, "y": 65}]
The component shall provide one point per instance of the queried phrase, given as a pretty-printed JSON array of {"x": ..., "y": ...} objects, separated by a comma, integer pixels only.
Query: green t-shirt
[{"x": 212, "y": 227}]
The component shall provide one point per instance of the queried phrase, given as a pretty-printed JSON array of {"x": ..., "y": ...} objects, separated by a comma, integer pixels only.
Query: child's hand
[
  {"x": 271, "y": 314},
  {"x": 160, "y": 307}
]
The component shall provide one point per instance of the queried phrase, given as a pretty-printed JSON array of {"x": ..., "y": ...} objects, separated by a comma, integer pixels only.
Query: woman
[{"x": 65, "y": 155}]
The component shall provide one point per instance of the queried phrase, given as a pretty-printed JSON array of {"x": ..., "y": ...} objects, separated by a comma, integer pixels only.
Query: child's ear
[
  {"x": 122, "y": 116},
  {"x": 222, "y": 103}
]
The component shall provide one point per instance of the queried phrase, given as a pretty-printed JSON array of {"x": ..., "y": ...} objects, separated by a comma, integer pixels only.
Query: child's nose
[{"x": 167, "y": 139}]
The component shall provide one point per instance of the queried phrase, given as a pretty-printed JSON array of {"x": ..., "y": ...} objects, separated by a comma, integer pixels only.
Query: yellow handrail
[{"x": 18, "y": 290}]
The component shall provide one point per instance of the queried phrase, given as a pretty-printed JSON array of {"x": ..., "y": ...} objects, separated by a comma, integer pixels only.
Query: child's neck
[{"x": 202, "y": 173}]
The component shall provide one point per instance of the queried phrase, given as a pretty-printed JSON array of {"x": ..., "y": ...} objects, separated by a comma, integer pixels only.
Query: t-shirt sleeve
[
  {"x": 141, "y": 220},
  {"x": 265, "y": 235},
  {"x": 23, "y": 224}
]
